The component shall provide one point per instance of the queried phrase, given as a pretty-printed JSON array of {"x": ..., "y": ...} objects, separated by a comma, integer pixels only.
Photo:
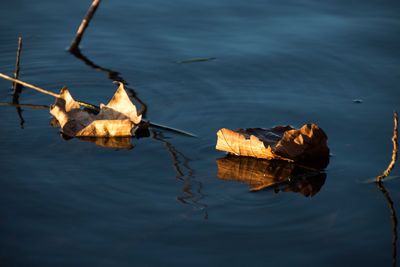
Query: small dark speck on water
[
  {"x": 193, "y": 60},
  {"x": 357, "y": 101}
]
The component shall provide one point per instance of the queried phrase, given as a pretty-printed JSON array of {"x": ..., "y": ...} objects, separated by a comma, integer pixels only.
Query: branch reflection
[
  {"x": 17, "y": 88},
  {"x": 393, "y": 219},
  {"x": 113, "y": 76},
  {"x": 192, "y": 189}
]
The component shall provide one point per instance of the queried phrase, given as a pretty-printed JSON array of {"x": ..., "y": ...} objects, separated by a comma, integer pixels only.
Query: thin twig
[
  {"x": 17, "y": 88},
  {"x": 84, "y": 24},
  {"x": 171, "y": 129},
  {"x": 44, "y": 91},
  {"x": 32, "y": 106},
  {"x": 41, "y": 90},
  {"x": 393, "y": 218},
  {"x": 394, "y": 152}
]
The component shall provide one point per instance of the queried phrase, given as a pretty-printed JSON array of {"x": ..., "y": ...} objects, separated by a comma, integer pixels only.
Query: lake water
[{"x": 72, "y": 203}]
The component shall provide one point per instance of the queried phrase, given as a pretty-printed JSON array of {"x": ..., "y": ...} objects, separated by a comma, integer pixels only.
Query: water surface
[{"x": 72, "y": 203}]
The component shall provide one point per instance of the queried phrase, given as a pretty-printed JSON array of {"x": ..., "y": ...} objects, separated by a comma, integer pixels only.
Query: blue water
[{"x": 72, "y": 203}]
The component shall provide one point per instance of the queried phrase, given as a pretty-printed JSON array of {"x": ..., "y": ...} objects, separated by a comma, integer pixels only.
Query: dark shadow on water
[{"x": 280, "y": 176}]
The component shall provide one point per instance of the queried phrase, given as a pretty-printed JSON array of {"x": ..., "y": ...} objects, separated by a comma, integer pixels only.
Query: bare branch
[
  {"x": 394, "y": 152},
  {"x": 84, "y": 24},
  {"x": 17, "y": 87},
  {"x": 44, "y": 91}
]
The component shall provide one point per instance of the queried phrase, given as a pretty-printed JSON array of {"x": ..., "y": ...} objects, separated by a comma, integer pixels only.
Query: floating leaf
[
  {"x": 280, "y": 175},
  {"x": 305, "y": 145},
  {"x": 116, "y": 119}
]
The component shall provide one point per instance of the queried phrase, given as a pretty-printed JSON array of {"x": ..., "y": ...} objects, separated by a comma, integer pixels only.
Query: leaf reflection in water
[
  {"x": 279, "y": 175},
  {"x": 118, "y": 143},
  {"x": 110, "y": 142}
]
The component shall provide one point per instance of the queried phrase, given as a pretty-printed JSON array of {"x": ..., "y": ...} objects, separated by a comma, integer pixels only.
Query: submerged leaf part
[{"x": 117, "y": 118}]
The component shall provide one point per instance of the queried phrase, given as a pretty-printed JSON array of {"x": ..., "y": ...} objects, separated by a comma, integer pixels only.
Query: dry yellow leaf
[
  {"x": 116, "y": 119},
  {"x": 241, "y": 143},
  {"x": 307, "y": 145}
]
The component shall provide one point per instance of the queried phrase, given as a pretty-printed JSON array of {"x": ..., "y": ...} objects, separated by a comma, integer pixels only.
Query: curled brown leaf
[
  {"x": 306, "y": 145},
  {"x": 116, "y": 119}
]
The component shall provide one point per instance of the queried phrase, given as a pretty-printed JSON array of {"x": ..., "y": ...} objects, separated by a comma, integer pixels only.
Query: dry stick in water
[
  {"x": 17, "y": 88},
  {"x": 84, "y": 24},
  {"x": 379, "y": 181},
  {"x": 32, "y": 106},
  {"x": 43, "y": 91},
  {"x": 394, "y": 152}
]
